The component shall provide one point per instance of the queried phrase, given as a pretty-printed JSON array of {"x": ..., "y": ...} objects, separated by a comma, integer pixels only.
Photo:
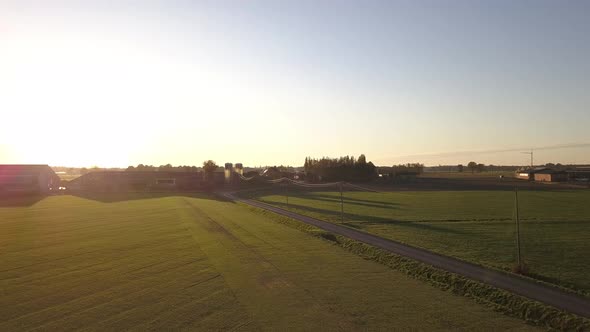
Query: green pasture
[
  {"x": 477, "y": 226},
  {"x": 467, "y": 174},
  {"x": 146, "y": 262}
]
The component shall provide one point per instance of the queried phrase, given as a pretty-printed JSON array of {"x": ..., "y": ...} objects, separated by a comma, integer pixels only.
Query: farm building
[
  {"x": 529, "y": 174},
  {"x": 579, "y": 174},
  {"x": 27, "y": 179},
  {"x": 239, "y": 168},
  {"x": 549, "y": 175},
  {"x": 149, "y": 181},
  {"x": 138, "y": 181},
  {"x": 228, "y": 172}
]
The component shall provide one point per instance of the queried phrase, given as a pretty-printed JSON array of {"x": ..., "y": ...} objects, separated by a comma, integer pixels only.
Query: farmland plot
[{"x": 146, "y": 262}]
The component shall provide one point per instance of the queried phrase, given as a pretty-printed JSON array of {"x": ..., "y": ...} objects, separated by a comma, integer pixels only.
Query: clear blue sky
[{"x": 270, "y": 82}]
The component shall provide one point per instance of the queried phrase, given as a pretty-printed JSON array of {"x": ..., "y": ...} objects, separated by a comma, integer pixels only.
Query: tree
[
  {"x": 362, "y": 161},
  {"x": 472, "y": 166},
  {"x": 167, "y": 167},
  {"x": 480, "y": 167},
  {"x": 209, "y": 167},
  {"x": 344, "y": 168},
  {"x": 460, "y": 168}
]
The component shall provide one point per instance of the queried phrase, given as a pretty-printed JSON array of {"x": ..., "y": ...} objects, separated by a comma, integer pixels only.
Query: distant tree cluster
[
  {"x": 475, "y": 167},
  {"x": 209, "y": 166},
  {"x": 401, "y": 170},
  {"x": 345, "y": 168},
  {"x": 285, "y": 169},
  {"x": 410, "y": 168},
  {"x": 162, "y": 168},
  {"x": 554, "y": 166}
]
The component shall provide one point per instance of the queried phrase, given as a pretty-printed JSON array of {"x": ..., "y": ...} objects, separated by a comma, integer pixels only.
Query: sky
[{"x": 118, "y": 83}]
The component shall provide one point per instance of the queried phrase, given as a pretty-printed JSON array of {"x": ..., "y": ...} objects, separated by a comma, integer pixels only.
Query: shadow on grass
[
  {"x": 358, "y": 221},
  {"x": 20, "y": 200},
  {"x": 328, "y": 198},
  {"x": 348, "y": 200},
  {"x": 113, "y": 197}
]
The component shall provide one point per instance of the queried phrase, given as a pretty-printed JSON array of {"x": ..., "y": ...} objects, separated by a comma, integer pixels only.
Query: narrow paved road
[{"x": 528, "y": 288}]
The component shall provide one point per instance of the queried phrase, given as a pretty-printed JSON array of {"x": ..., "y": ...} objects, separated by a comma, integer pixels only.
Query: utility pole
[
  {"x": 341, "y": 205},
  {"x": 531, "y": 153},
  {"x": 518, "y": 258},
  {"x": 287, "y": 191}
]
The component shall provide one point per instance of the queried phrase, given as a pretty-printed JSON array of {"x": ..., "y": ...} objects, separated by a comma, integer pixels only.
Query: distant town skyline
[{"x": 271, "y": 82}]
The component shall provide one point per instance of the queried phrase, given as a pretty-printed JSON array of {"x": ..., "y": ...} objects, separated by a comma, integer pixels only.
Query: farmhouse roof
[
  {"x": 533, "y": 170},
  {"x": 578, "y": 170},
  {"x": 95, "y": 175},
  {"x": 16, "y": 169},
  {"x": 145, "y": 173},
  {"x": 550, "y": 171}
]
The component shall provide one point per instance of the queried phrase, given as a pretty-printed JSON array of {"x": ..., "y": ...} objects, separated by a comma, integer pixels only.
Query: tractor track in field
[
  {"x": 277, "y": 276},
  {"x": 528, "y": 288}
]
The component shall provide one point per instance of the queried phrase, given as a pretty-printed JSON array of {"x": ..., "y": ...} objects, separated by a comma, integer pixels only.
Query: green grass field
[
  {"x": 145, "y": 262},
  {"x": 476, "y": 226},
  {"x": 467, "y": 174}
]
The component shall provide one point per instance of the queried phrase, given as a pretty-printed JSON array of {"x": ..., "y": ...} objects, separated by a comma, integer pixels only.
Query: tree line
[
  {"x": 347, "y": 168},
  {"x": 402, "y": 169},
  {"x": 473, "y": 166},
  {"x": 162, "y": 168}
]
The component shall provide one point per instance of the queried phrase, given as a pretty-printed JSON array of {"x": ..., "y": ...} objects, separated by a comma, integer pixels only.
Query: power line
[{"x": 491, "y": 151}]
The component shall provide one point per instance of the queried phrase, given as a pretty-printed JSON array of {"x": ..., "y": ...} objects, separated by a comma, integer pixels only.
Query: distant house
[
  {"x": 579, "y": 174},
  {"x": 280, "y": 172},
  {"x": 126, "y": 181},
  {"x": 550, "y": 175},
  {"x": 529, "y": 174},
  {"x": 28, "y": 179}
]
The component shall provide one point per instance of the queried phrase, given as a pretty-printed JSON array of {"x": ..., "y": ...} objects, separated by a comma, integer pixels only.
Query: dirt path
[{"x": 528, "y": 288}]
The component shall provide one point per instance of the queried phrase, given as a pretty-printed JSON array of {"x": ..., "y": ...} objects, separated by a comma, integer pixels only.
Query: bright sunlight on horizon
[{"x": 270, "y": 82}]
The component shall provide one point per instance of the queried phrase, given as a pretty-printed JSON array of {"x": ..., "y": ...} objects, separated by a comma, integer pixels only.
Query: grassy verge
[{"x": 514, "y": 305}]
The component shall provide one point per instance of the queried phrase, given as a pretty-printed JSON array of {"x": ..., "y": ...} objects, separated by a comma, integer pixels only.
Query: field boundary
[{"x": 543, "y": 293}]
